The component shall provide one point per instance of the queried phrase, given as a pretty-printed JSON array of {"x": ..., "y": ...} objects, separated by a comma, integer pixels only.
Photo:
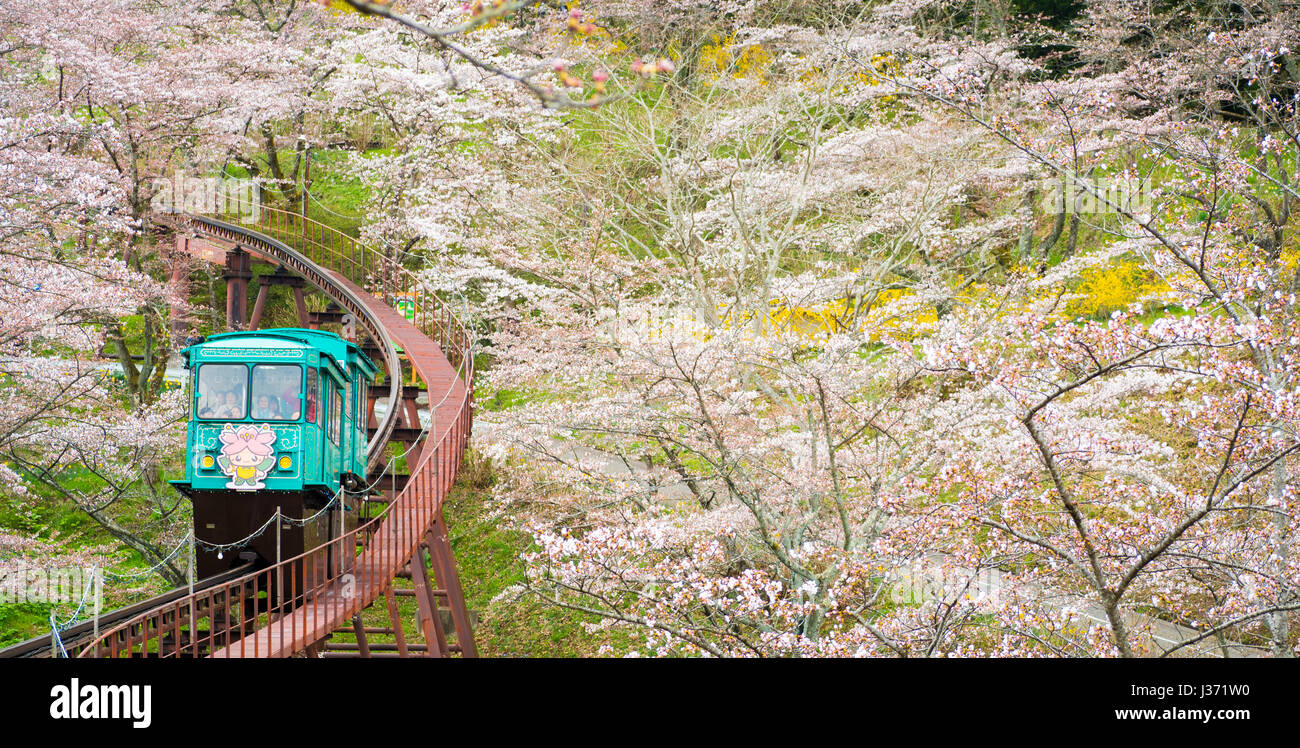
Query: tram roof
[{"x": 292, "y": 340}]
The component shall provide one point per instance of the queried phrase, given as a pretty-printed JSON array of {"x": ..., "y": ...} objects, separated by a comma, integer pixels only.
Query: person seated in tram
[
  {"x": 290, "y": 386},
  {"x": 209, "y": 404},
  {"x": 290, "y": 390},
  {"x": 232, "y": 406},
  {"x": 266, "y": 408}
]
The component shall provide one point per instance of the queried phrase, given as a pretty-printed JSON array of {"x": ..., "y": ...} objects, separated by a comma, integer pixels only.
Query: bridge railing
[{"x": 290, "y": 605}]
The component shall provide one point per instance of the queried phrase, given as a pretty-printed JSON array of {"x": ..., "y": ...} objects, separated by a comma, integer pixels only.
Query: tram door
[
  {"x": 333, "y": 463},
  {"x": 345, "y": 429}
]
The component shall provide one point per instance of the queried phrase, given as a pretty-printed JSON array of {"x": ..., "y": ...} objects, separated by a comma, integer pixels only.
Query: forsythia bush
[
  {"x": 1104, "y": 290},
  {"x": 721, "y": 58}
]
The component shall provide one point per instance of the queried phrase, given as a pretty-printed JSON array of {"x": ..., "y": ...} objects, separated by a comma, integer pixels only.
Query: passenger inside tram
[
  {"x": 275, "y": 391},
  {"x": 263, "y": 408},
  {"x": 207, "y": 405},
  {"x": 288, "y": 386},
  {"x": 232, "y": 406}
]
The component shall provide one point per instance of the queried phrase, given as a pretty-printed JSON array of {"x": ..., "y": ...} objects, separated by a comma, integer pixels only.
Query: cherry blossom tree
[
  {"x": 65, "y": 216},
  {"x": 1123, "y": 476},
  {"x": 916, "y": 328}
]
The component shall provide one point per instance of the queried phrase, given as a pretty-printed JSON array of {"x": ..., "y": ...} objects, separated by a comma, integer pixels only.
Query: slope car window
[
  {"x": 223, "y": 391},
  {"x": 363, "y": 401},
  {"x": 277, "y": 392},
  {"x": 336, "y": 415},
  {"x": 311, "y": 395},
  {"x": 194, "y": 393}
]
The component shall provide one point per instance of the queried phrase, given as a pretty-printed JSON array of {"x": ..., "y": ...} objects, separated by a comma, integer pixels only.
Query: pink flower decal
[{"x": 247, "y": 455}]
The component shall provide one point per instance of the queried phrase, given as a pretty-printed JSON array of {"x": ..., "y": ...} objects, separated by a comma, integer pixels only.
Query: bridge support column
[
  {"x": 280, "y": 277},
  {"x": 179, "y": 280},
  {"x": 427, "y": 603},
  {"x": 398, "y": 634},
  {"x": 363, "y": 644},
  {"x": 239, "y": 270},
  {"x": 300, "y": 299},
  {"x": 444, "y": 566},
  {"x": 372, "y": 422},
  {"x": 259, "y": 306}
]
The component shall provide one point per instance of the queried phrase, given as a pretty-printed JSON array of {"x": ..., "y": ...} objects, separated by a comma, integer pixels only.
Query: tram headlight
[
  {"x": 286, "y": 462},
  {"x": 207, "y": 461}
]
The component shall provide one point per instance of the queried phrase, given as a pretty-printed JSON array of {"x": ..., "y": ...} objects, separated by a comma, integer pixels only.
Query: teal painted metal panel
[{"x": 228, "y": 452}]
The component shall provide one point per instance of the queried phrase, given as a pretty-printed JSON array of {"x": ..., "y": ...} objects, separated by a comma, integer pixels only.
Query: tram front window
[
  {"x": 277, "y": 392},
  {"x": 223, "y": 390}
]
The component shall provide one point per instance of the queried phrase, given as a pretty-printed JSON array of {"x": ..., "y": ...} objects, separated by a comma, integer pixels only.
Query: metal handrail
[{"x": 74, "y": 636}]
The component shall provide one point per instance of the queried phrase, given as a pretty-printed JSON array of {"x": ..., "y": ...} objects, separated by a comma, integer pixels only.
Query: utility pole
[{"x": 306, "y": 184}]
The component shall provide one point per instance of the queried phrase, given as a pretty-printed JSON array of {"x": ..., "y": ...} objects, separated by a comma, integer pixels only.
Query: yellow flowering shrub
[
  {"x": 832, "y": 317},
  {"x": 882, "y": 65},
  {"x": 813, "y": 322},
  {"x": 722, "y": 58},
  {"x": 1105, "y": 289},
  {"x": 1290, "y": 256}
]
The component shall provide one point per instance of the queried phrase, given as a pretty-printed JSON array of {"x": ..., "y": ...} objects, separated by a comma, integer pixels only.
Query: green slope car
[{"x": 277, "y": 423}]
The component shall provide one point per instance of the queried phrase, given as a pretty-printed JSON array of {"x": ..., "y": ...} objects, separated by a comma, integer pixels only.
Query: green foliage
[
  {"x": 502, "y": 399},
  {"x": 22, "y": 621},
  {"x": 340, "y": 200},
  {"x": 488, "y": 560},
  {"x": 41, "y": 515}
]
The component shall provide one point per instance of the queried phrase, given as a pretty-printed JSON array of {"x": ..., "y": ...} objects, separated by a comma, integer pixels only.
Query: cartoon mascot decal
[{"x": 246, "y": 455}]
